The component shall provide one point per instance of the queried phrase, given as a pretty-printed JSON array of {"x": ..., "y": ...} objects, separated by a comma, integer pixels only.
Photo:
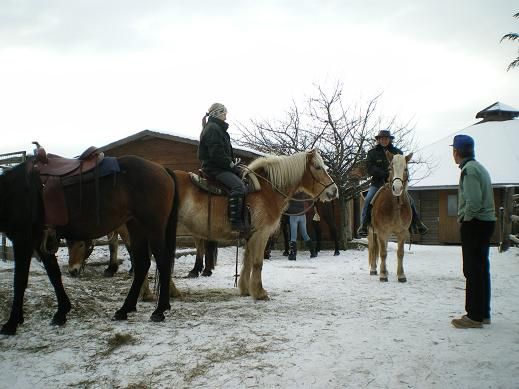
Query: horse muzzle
[{"x": 331, "y": 193}]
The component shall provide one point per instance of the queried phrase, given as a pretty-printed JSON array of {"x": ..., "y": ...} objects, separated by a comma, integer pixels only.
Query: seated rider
[
  {"x": 378, "y": 168},
  {"x": 216, "y": 155}
]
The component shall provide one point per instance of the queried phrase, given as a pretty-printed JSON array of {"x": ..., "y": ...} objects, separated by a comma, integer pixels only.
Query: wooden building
[{"x": 436, "y": 194}]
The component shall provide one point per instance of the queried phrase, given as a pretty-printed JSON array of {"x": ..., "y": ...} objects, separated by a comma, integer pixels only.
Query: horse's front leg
[
  {"x": 372, "y": 252},
  {"x": 113, "y": 265},
  {"x": 400, "y": 256},
  {"x": 256, "y": 247},
  {"x": 22, "y": 262},
  {"x": 50, "y": 263},
  {"x": 164, "y": 266},
  {"x": 382, "y": 246}
]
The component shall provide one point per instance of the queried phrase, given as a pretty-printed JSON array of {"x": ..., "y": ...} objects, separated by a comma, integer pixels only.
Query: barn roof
[
  {"x": 149, "y": 134},
  {"x": 495, "y": 147},
  {"x": 498, "y": 109}
]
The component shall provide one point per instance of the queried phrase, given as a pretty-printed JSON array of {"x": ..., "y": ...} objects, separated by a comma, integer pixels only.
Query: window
[{"x": 452, "y": 205}]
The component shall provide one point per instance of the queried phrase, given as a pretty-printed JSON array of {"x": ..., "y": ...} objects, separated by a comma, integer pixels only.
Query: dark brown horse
[
  {"x": 142, "y": 195},
  {"x": 391, "y": 214},
  {"x": 326, "y": 215},
  {"x": 280, "y": 177}
]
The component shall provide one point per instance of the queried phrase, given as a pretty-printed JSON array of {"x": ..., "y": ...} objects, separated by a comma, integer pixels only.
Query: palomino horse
[
  {"x": 141, "y": 194},
  {"x": 391, "y": 214},
  {"x": 280, "y": 177}
]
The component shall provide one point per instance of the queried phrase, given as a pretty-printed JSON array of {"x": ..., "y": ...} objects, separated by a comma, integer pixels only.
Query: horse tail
[{"x": 171, "y": 230}]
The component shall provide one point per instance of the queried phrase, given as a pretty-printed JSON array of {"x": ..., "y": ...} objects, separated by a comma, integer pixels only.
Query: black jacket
[
  {"x": 378, "y": 165},
  {"x": 215, "y": 150}
]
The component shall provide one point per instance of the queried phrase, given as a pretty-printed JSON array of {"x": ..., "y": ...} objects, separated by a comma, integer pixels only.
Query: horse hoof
[
  {"x": 192, "y": 274},
  {"x": 120, "y": 315},
  {"x": 108, "y": 273},
  {"x": 8, "y": 329},
  {"x": 402, "y": 279},
  {"x": 58, "y": 320},
  {"x": 336, "y": 253},
  {"x": 383, "y": 279},
  {"x": 372, "y": 272},
  {"x": 207, "y": 273},
  {"x": 157, "y": 317}
]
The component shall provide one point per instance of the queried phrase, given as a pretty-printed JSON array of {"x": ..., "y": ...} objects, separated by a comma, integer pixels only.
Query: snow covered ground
[{"x": 328, "y": 324}]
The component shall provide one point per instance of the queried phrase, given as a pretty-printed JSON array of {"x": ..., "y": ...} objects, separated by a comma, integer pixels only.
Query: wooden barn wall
[{"x": 427, "y": 205}]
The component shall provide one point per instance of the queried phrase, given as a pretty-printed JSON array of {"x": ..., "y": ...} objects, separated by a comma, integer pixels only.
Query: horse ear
[
  {"x": 408, "y": 157},
  {"x": 389, "y": 156}
]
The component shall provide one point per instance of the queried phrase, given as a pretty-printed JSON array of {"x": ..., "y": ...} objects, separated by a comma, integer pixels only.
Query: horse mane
[{"x": 282, "y": 171}]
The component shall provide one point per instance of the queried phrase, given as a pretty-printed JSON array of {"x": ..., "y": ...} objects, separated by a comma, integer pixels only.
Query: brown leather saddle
[{"x": 56, "y": 172}]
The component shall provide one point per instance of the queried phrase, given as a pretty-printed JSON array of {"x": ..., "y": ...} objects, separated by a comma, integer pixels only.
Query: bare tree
[
  {"x": 512, "y": 36},
  {"x": 342, "y": 132}
]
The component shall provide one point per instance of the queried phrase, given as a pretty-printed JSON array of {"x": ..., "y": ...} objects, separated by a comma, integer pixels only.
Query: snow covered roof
[
  {"x": 498, "y": 109},
  {"x": 495, "y": 147}
]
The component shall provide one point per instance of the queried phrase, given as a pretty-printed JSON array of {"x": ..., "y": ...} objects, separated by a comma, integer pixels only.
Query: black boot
[
  {"x": 311, "y": 247},
  {"x": 236, "y": 213},
  {"x": 292, "y": 252}
]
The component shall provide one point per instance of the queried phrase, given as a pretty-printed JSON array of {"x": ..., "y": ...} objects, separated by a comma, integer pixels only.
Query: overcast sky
[{"x": 81, "y": 73}]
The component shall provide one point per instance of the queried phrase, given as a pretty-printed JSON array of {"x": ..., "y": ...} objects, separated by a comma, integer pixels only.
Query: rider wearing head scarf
[{"x": 216, "y": 155}]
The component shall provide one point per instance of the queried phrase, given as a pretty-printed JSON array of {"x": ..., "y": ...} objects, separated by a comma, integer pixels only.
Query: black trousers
[
  {"x": 475, "y": 245},
  {"x": 233, "y": 182}
]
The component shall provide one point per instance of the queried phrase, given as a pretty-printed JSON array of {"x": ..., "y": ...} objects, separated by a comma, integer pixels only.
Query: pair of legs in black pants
[{"x": 475, "y": 245}]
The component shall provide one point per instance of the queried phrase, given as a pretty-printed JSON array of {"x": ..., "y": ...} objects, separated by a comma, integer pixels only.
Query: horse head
[
  {"x": 398, "y": 172},
  {"x": 316, "y": 180}
]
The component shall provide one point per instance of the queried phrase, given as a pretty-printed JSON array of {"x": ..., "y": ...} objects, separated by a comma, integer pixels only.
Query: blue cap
[{"x": 463, "y": 142}]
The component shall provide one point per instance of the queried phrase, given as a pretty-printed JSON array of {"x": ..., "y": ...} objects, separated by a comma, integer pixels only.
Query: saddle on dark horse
[
  {"x": 57, "y": 172},
  {"x": 210, "y": 185}
]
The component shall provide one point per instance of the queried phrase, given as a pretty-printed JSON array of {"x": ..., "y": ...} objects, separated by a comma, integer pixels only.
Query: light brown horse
[
  {"x": 280, "y": 177},
  {"x": 391, "y": 214}
]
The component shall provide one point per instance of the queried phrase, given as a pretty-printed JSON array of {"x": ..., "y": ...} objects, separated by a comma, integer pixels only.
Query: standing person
[
  {"x": 378, "y": 169},
  {"x": 216, "y": 154},
  {"x": 297, "y": 219},
  {"x": 477, "y": 218}
]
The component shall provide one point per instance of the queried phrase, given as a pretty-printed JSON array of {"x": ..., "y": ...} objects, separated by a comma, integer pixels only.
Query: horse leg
[
  {"x": 158, "y": 248},
  {"x": 372, "y": 252},
  {"x": 140, "y": 256},
  {"x": 210, "y": 248},
  {"x": 382, "y": 243},
  {"x": 195, "y": 272},
  {"x": 285, "y": 229},
  {"x": 113, "y": 265},
  {"x": 318, "y": 234},
  {"x": 243, "y": 282},
  {"x": 256, "y": 247},
  {"x": 400, "y": 256},
  {"x": 50, "y": 262},
  {"x": 22, "y": 264},
  {"x": 145, "y": 294},
  {"x": 333, "y": 233}
]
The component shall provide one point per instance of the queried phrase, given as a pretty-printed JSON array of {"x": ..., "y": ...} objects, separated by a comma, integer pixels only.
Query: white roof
[{"x": 495, "y": 146}]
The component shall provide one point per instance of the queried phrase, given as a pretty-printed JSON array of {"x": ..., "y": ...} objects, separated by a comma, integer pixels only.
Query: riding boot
[
  {"x": 310, "y": 245},
  {"x": 236, "y": 213},
  {"x": 363, "y": 229},
  {"x": 292, "y": 252},
  {"x": 417, "y": 227},
  {"x": 50, "y": 241}
]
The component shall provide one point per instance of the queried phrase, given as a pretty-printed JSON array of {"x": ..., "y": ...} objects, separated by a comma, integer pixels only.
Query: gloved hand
[{"x": 235, "y": 162}]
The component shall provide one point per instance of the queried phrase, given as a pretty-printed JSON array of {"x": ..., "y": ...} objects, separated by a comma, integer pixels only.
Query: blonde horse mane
[{"x": 284, "y": 171}]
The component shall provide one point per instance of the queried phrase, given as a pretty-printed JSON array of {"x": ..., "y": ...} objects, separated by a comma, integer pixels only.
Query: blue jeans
[
  {"x": 300, "y": 221},
  {"x": 367, "y": 200}
]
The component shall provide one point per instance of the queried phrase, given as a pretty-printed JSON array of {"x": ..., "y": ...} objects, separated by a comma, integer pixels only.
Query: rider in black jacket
[
  {"x": 216, "y": 155},
  {"x": 378, "y": 169}
]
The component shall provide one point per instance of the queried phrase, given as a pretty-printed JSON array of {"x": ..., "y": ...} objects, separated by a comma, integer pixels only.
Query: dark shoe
[
  {"x": 292, "y": 253},
  {"x": 466, "y": 322},
  {"x": 285, "y": 253},
  {"x": 311, "y": 247},
  {"x": 421, "y": 228},
  {"x": 363, "y": 230}
]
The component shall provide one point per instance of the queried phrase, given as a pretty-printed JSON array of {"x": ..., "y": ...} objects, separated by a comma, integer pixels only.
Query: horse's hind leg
[
  {"x": 51, "y": 266},
  {"x": 22, "y": 263},
  {"x": 140, "y": 255},
  {"x": 400, "y": 255},
  {"x": 243, "y": 283},
  {"x": 199, "y": 259},
  {"x": 372, "y": 252},
  {"x": 210, "y": 252}
]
